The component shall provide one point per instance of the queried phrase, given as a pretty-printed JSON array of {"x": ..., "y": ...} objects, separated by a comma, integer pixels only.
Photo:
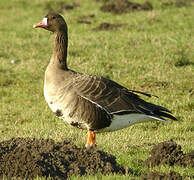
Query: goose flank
[{"x": 90, "y": 102}]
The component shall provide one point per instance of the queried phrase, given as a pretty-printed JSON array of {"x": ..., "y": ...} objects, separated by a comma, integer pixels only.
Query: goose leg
[{"x": 90, "y": 139}]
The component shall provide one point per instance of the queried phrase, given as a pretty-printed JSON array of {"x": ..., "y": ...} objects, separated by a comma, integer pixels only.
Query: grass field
[{"x": 153, "y": 52}]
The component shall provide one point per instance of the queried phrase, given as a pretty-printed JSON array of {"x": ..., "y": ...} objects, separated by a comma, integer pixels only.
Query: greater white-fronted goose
[{"x": 90, "y": 102}]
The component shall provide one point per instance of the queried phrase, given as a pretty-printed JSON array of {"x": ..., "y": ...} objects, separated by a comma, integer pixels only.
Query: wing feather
[{"x": 113, "y": 97}]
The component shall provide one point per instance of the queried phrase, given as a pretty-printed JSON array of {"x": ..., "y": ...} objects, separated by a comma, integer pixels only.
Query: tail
[
  {"x": 157, "y": 112},
  {"x": 153, "y": 111}
]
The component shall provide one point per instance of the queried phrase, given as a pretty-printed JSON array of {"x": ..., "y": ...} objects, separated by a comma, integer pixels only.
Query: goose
[{"x": 90, "y": 102}]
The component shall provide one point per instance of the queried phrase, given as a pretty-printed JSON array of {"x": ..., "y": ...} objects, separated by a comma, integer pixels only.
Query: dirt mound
[
  {"x": 158, "y": 175},
  {"x": 178, "y": 3},
  {"x": 86, "y": 19},
  {"x": 124, "y": 6},
  {"x": 59, "y": 6},
  {"x": 28, "y": 158},
  {"x": 107, "y": 26},
  {"x": 170, "y": 153}
]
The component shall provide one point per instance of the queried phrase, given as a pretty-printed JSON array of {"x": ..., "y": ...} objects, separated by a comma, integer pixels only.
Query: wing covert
[{"x": 104, "y": 92}]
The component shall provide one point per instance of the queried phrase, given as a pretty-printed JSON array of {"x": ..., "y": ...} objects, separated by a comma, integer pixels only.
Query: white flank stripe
[{"x": 123, "y": 121}]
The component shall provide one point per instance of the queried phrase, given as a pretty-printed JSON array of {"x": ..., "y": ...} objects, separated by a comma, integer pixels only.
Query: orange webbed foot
[{"x": 90, "y": 139}]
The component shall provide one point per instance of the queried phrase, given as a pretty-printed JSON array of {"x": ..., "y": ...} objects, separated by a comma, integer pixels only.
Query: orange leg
[{"x": 91, "y": 139}]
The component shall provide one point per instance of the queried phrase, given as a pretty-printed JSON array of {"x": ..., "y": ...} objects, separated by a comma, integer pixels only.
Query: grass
[{"x": 152, "y": 52}]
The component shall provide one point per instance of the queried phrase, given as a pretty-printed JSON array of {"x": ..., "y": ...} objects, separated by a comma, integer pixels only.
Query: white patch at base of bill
[{"x": 44, "y": 21}]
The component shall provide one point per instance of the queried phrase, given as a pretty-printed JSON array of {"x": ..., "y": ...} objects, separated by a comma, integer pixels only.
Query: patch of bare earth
[
  {"x": 59, "y": 6},
  {"x": 170, "y": 153},
  {"x": 124, "y": 6},
  {"x": 28, "y": 158},
  {"x": 107, "y": 26},
  {"x": 158, "y": 175},
  {"x": 178, "y": 3},
  {"x": 86, "y": 19}
]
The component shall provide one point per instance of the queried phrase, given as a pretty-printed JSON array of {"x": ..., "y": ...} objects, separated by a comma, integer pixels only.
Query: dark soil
[
  {"x": 107, "y": 26},
  {"x": 178, "y": 3},
  {"x": 158, "y": 175},
  {"x": 59, "y": 6},
  {"x": 28, "y": 158},
  {"x": 157, "y": 84},
  {"x": 124, "y": 6},
  {"x": 170, "y": 153},
  {"x": 86, "y": 19}
]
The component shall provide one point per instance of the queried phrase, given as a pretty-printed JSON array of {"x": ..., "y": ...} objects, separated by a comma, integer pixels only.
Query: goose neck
[{"x": 60, "y": 49}]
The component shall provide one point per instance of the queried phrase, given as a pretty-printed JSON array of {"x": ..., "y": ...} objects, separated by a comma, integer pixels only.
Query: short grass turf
[{"x": 152, "y": 52}]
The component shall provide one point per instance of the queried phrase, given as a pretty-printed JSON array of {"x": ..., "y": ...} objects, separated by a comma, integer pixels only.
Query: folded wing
[{"x": 114, "y": 98}]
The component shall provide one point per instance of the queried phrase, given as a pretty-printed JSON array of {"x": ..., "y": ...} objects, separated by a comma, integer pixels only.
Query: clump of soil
[
  {"x": 59, "y": 6},
  {"x": 107, "y": 26},
  {"x": 80, "y": 21},
  {"x": 170, "y": 153},
  {"x": 28, "y": 158},
  {"x": 156, "y": 84},
  {"x": 158, "y": 175},
  {"x": 86, "y": 19},
  {"x": 178, "y": 3},
  {"x": 124, "y": 6}
]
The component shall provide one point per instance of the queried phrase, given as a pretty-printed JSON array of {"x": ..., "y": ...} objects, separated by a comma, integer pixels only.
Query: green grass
[{"x": 152, "y": 52}]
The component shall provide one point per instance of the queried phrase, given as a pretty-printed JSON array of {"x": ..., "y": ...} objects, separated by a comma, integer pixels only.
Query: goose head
[{"x": 52, "y": 22}]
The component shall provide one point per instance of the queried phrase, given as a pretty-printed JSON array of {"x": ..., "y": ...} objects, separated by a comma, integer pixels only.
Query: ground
[
  {"x": 142, "y": 46},
  {"x": 30, "y": 158}
]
